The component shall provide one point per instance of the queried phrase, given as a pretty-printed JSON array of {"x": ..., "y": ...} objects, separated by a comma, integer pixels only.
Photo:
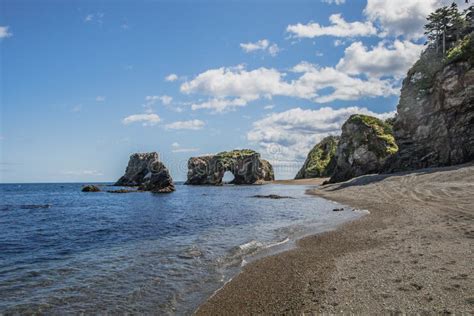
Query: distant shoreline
[{"x": 411, "y": 254}]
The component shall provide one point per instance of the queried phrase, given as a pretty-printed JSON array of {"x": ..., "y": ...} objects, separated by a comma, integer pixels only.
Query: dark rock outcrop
[
  {"x": 90, "y": 188},
  {"x": 320, "y": 161},
  {"x": 364, "y": 147},
  {"x": 146, "y": 171},
  {"x": 435, "y": 122},
  {"x": 246, "y": 166}
]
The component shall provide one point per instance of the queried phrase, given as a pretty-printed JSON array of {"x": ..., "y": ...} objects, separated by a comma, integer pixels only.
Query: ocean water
[{"x": 65, "y": 251}]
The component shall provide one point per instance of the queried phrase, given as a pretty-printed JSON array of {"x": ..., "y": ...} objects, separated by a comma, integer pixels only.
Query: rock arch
[{"x": 246, "y": 166}]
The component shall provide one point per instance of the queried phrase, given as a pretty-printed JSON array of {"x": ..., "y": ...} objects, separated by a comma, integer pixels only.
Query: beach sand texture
[{"x": 413, "y": 253}]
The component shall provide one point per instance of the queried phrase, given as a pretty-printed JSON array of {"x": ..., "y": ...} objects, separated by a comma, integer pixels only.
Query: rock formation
[
  {"x": 320, "y": 161},
  {"x": 435, "y": 121},
  {"x": 365, "y": 145},
  {"x": 90, "y": 188},
  {"x": 146, "y": 171},
  {"x": 246, "y": 166}
]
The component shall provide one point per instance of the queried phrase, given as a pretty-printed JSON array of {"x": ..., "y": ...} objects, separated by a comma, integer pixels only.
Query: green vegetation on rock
[
  {"x": 320, "y": 160},
  {"x": 383, "y": 131},
  {"x": 463, "y": 51}
]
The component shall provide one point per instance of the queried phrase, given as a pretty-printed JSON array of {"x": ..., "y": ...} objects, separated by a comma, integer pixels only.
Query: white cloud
[
  {"x": 338, "y": 28},
  {"x": 4, "y": 32},
  {"x": 175, "y": 144},
  {"x": 171, "y": 77},
  {"x": 147, "y": 119},
  {"x": 291, "y": 134},
  {"x": 403, "y": 17},
  {"x": 166, "y": 99},
  {"x": 268, "y": 107},
  {"x": 220, "y": 105},
  {"x": 191, "y": 125},
  {"x": 382, "y": 60},
  {"x": 339, "y": 42},
  {"x": 100, "y": 98},
  {"x": 338, "y": 2},
  {"x": 233, "y": 87},
  {"x": 263, "y": 45},
  {"x": 94, "y": 17},
  {"x": 152, "y": 99}
]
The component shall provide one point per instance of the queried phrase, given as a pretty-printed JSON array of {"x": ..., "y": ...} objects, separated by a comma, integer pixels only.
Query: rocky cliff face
[
  {"x": 364, "y": 147},
  {"x": 435, "y": 121},
  {"x": 146, "y": 171},
  {"x": 320, "y": 161},
  {"x": 246, "y": 166}
]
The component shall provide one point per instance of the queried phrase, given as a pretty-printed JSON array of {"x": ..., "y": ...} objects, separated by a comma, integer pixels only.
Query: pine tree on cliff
[{"x": 445, "y": 26}]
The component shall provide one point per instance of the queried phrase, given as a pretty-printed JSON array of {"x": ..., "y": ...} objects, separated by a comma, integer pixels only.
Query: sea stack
[
  {"x": 148, "y": 173},
  {"x": 320, "y": 161},
  {"x": 365, "y": 145},
  {"x": 246, "y": 166}
]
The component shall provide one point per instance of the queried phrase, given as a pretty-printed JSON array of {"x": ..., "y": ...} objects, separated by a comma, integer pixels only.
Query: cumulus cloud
[
  {"x": 268, "y": 107},
  {"x": 392, "y": 59},
  {"x": 147, "y": 119},
  {"x": 234, "y": 87},
  {"x": 5, "y": 32},
  {"x": 190, "y": 125},
  {"x": 171, "y": 77},
  {"x": 263, "y": 45},
  {"x": 402, "y": 17},
  {"x": 338, "y": 28},
  {"x": 291, "y": 134}
]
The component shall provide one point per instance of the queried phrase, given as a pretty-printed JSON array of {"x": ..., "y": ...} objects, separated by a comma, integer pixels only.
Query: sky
[{"x": 84, "y": 84}]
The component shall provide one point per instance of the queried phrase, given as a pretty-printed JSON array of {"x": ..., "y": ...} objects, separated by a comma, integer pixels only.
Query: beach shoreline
[{"x": 411, "y": 254}]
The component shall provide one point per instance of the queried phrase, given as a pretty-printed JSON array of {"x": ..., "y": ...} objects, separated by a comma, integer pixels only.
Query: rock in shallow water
[
  {"x": 146, "y": 171},
  {"x": 246, "y": 166},
  {"x": 90, "y": 188}
]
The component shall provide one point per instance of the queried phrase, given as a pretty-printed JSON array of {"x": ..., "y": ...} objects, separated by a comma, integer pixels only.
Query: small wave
[
  {"x": 24, "y": 206},
  {"x": 284, "y": 241},
  {"x": 361, "y": 211}
]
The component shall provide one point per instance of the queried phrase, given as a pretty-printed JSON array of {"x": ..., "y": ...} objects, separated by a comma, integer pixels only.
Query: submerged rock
[
  {"x": 90, "y": 188},
  {"x": 320, "y": 161},
  {"x": 272, "y": 196},
  {"x": 365, "y": 145},
  {"x": 146, "y": 171},
  {"x": 246, "y": 166},
  {"x": 435, "y": 122}
]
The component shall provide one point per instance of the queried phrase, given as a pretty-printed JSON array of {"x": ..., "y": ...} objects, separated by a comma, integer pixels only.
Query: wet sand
[{"x": 412, "y": 254}]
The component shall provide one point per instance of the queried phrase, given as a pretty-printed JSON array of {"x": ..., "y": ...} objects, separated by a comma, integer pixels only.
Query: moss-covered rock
[
  {"x": 365, "y": 145},
  {"x": 245, "y": 164},
  {"x": 320, "y": 161}
]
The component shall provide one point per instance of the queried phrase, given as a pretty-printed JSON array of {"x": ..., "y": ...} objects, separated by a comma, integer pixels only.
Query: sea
[{"x": 64, "y": 251}]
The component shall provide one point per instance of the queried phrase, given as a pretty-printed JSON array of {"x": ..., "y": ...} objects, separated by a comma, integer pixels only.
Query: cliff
[
  {"x": 246, "y": 166},
  {"x": 364, "y": 147},
  {"x": 320, "y": 161},
  {"x": 146, "y": 171},
  {"x": 435, "y": 122}
]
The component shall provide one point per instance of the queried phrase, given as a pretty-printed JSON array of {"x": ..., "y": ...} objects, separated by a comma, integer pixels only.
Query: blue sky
[{"x": 86, "y": 83}]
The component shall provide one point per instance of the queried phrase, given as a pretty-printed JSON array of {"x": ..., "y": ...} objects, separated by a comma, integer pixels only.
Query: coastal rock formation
[
  {"x": 90, "y": 188},
  {"x": 365, "y": 145},
  {"x": 435, "y": 122},
  {"x": 320, "y": 161},
  {"x": 246, "y": 166},
  {"x": 146, "y": 171}
]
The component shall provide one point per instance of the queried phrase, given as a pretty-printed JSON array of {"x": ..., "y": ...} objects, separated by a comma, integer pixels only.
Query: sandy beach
[{"x": 413, "y": 253}]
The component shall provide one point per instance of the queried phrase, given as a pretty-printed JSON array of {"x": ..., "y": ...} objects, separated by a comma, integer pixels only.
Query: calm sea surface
[{"x": 64, "y": 251}]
